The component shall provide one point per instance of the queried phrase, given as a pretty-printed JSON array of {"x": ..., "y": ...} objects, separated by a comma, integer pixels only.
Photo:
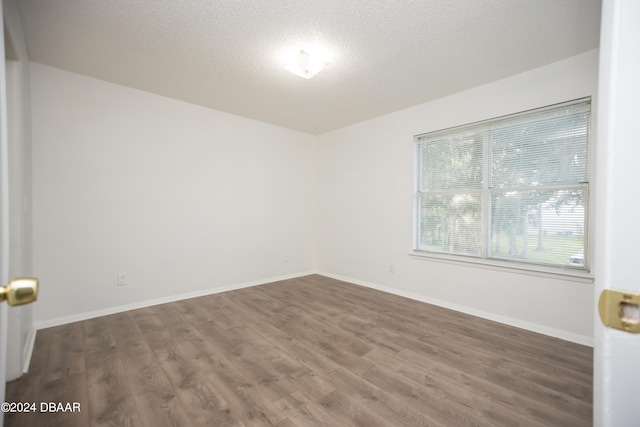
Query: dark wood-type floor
[{"x": 303, "y": 352}]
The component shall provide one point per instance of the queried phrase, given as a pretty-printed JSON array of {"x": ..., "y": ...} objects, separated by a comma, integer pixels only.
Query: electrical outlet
[
  {"x": 285, "y": 257},
  {"x": 392, "y": 268},
  {"x": 122, "y": 279}
]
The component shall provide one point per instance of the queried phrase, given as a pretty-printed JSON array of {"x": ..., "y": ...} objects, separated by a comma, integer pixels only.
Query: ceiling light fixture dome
[{"x": 306, "y": 65}]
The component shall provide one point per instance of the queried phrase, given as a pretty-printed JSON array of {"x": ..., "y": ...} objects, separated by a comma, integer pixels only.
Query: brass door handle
[
  {"x": 21, "y": 290},
  {"x": 620, "y": 310}
]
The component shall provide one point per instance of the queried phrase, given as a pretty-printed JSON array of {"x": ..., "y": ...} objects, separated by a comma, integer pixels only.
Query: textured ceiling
[{"x": 384, "y": 55}]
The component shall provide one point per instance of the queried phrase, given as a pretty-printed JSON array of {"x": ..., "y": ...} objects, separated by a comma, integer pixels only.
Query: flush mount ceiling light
[{"x": 306, "y": 65}]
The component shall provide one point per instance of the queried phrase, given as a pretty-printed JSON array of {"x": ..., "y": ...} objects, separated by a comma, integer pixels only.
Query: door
[
  {"x": 4, "y": 216},
  {"x": 616, "y": 352},
  {"x": 16, "y": 324}
]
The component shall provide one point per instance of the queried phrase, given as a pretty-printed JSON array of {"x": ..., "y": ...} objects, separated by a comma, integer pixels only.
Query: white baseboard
[
  {"x": 27, "y": 351},
  {"x": 545, "y": 330},
  {"x": 142, "y": 304}
]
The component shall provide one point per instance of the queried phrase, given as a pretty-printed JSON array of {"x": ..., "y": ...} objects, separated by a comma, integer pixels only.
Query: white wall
[
  {"x": 365, "y": 206},
  {"x": 182, "y": 198}
]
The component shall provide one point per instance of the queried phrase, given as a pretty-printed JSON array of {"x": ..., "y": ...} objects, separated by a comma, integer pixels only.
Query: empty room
[{"x": 319, "y": 213}]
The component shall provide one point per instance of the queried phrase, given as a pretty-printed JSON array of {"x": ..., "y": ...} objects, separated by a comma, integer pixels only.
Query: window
[{"x": 514, "y": 188}]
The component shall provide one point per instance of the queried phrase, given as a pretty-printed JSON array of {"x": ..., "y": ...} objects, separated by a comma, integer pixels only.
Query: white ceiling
[{"x": 385, "y": 55}]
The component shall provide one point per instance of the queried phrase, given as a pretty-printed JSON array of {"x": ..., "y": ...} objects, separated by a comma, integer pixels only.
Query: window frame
[{"x": 495, "y": 263}]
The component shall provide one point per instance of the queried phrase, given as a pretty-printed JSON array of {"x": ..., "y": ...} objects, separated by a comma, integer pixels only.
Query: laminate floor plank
[
  {"x": 97, "y": 336},
  {"x": 436, "y": 388},
  {"x": 465, "y": 359},
  {"x": 309, "y": 351},
  {"x": 525, "y": 359},
  {"x": 123, "y": 413},
  {"x": 109, "y": 394},
  {"x": 145, "y": 374},
  {"x": 22, "y": 391},
  {"x": 499, "y": 365},
  {"x": 194, "y": 389},
  {"x": 302, "y": 412},
  {"x": 335, "y": 344},
  {"x": 525, "y": 355},
  {"x": 129, "y": 340},
  {"x": 356, "y": 410},
  {"x": 66, "y": 356},
  {"x": 557, "y": 356},
  {"x": 454, "y": 322},
  {"x": 161, "y": 410},
  {"x": 493, "y": 387},
  {"x": 313, "y": 360},
  {"x": 67, "y": 390},
  {"x": 552, "y": 380},
  {"x": 360, "y": 329},
  {"x": 432, "y": 398}
]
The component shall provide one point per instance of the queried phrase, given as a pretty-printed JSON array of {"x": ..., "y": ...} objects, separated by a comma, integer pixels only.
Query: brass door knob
[{"x": 21, "y": 290}]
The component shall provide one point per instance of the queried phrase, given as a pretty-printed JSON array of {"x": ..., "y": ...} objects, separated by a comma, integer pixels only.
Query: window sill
[{"x": 511, "y": 267}]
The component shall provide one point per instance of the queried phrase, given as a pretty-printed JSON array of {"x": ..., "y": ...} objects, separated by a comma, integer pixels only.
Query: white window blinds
[{"x": 513, "y": 188}]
